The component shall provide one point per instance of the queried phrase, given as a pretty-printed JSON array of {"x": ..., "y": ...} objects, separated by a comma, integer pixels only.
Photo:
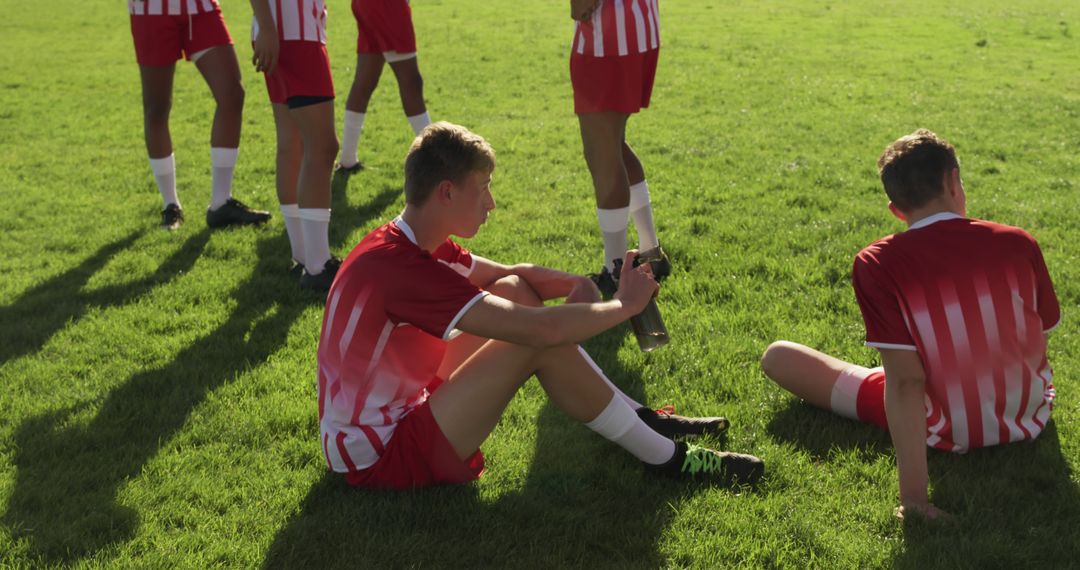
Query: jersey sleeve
[
  {"x": 455, "y": 257},
  {"x": 879, "y": 302},
  {"x": 1046, "y": 300},
  {"x": 429, "y": 295}
]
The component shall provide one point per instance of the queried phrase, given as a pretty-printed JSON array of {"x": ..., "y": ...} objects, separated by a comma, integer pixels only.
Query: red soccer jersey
[
  {"x": 388, "y": 316},
  {"x": 974, "y": 299},
  {"x": 297, "y": 20},
  {"x": 171, "y": 7},
  {"x": 619, "y": 27}
]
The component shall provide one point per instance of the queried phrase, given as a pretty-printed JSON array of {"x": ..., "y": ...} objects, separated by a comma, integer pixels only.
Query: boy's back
[{"x": 974, "y": 299}]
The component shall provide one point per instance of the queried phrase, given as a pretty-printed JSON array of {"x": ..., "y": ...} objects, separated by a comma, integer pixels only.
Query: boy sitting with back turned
[
  {"x": 958, "y": 309},
  {"x": 405, "y": 401}
]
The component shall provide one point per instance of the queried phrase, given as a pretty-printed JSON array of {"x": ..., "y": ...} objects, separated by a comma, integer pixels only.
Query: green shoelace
[{"x": 701, "y": 460}]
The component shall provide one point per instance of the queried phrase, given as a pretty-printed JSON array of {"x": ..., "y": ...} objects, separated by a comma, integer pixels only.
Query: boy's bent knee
[
  {"x": 774, "y": 355},
  {"x": 514, "y": 288}
]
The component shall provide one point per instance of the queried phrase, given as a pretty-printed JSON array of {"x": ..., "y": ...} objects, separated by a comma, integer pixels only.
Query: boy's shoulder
[{"x": 942, "y": 236}]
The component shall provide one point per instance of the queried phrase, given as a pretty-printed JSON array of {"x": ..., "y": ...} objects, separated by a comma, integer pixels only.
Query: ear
[
  {"x": 443, "y": 190},
  {"x": 952, "y": 182},
  {"x": 896, "y": 212}
]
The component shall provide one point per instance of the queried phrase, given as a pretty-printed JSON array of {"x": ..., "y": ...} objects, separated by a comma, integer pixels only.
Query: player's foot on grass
[
  {"x": 661, "y": 268},
  {"x": 667, "y": 423},
  {"x": 172, "y": 217},
  {"x": 322, "y": 280},
  {"x": 607, "y": 283},
  {"x": 296, "y": 269},
  {"x": 705, "y": 465},
  {"x": 350, "y": 169},
  {"x": 235, "y": 213}
]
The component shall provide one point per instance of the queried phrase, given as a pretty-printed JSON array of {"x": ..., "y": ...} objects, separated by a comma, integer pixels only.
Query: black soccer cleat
[
  {"x": 296, "y": 269},
  {"x": 667, "y": 423},
  {"x": 704, "y": 465},
  {"x": 607, "y": 283},
  {"x": 661, "y": 268},
  {"x": 348, "y": 170},
  {"x": 235, "y": 213},
  {"x": 172, "y": 217},
  {"x": 322, "y": 280}
]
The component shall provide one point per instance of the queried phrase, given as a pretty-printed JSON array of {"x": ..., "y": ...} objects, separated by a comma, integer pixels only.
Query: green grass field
[{"x": 157, "y": 390}]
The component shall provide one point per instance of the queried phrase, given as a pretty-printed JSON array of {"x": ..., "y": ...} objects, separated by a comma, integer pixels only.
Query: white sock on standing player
[
  {"x": 224, "y": 163},
  {"x": 621, "y": 425},
  {"x": 165, "y": 175},
  {"x": 613, "y": 225},
  {"x": 641, "y": 211},
  {"x": 291, "y": 213},
  {"x": 629, "y": 401},
  {"x": 418, "y": 122},
  {"x": 350, "y": 137},
  {"x": 315, "y": 225}
]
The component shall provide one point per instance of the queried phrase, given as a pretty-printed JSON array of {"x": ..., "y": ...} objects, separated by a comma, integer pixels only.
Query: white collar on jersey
[
  {"x": 405, "y": 229},
  {"x": 938, "y": 217}
]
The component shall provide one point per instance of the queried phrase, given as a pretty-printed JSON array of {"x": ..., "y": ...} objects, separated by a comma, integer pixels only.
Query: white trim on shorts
[
  {"x": 845, "y": 392},
  {"x": 394, "y": 57}
]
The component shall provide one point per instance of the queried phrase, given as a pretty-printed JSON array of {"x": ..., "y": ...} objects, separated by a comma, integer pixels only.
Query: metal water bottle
[{"x": 648, "y": 325}]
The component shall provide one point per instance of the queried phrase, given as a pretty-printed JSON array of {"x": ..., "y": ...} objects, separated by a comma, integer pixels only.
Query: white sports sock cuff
[
  {"x": 223, "y": 157},
  {"x": 639, "y": 196},
  {"x": 616, "y": 419},
  {"x": 315, "y": 214},
  {"x": 613, "y": 220},
  {"x": 354, "y": 119},
  {"x": 290, "y": 210},
  {"x": 163, "y": 166},
  {"x": 418, "y": 122},
  {"x": 845, "y": 392}
]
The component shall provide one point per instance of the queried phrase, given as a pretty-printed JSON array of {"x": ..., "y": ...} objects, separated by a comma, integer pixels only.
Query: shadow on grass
[
  {"x": 39, "y": 313},
  {"x": 1015, "y": 506},
  {"x": 583, "y": 503},
  {"x": 819, "y": 432},
  {"x": 69, "y": 472}
]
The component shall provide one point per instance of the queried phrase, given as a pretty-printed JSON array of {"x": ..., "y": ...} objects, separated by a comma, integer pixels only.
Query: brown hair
[
  {"x": 444, "y": 151},
  {"x": 913, "y": 169}
]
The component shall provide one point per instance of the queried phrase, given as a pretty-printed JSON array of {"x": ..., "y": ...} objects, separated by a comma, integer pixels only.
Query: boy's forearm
[
  {"x": 577, "y": 322},
  {"x": 548, "y": 283},
  {"x": 906, "y": 414},
  {"x": 261, "y": 8}
]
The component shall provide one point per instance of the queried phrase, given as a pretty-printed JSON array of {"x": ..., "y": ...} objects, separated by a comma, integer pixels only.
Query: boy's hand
[
  {"x": 924, "y": 510},
  {"x": 267, "y": 50},
  {"x": 584, "y": 291},
  {"x": 636, "y": 284},
  {"x": 580, "y": 10}
]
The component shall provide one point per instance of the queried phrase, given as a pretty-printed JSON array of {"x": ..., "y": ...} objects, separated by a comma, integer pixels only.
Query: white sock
[
  {"x": 629, "y": 401},
  {"x": 613, "y": 225},
  {"x": 350, "y": 137},
  {"x": 165, "y": 175},
  {"x": 291, "y": 213},
  {"x": 622, "y": 426},
  {"x": 641, "y": 211},
  {"x": 224, "y": 162},
  {"x": 315, "y": 225},
  {"x": 418, "y": 122}
]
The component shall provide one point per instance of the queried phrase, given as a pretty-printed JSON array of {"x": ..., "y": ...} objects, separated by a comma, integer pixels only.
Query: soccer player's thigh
[
  {"x": 468, "y": 406},
  {"x": 803, "y": 371},
  {"x": 221, "y": 70}
]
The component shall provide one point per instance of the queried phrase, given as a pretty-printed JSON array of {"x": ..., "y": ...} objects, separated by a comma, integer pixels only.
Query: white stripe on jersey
[
  {"x": 620, "y": 26},
  {"x": 174, "y": 7},
  {"x": 171, "y": 7},
  {"x": 298, "y": 20},
  {"x": 654, "y": 17},
  {"x": 639, "y": 24},
  {"x": 598, "y": 32}
]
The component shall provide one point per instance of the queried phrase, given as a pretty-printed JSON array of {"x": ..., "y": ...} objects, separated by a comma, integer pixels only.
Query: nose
[{"x": 489, "y": 203}]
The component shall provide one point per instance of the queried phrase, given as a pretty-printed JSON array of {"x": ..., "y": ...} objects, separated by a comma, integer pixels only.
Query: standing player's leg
[
  {"x": 641, "y": 206},
  {"x": 157, "y": 84},
  {"x": 290, "y": 153},
  {"x": 602, "y": 139},
  {"x": 315, "y": 124},
  {"x": 221, "y": 71},
  {"x": 411, "y": 89},
  {"x": 826, "y": 382},
  {"x": 369, "y": 68}
]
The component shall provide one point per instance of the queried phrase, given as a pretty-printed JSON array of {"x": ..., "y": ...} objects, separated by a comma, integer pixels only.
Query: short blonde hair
[
  {"x": 444, "y": 151},
  {"x": 913, "y": 169}
]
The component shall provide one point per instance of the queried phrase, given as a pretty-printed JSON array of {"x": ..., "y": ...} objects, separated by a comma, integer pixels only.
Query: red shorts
[
  {"x": 418, "y": 455},
  {"x": 162, "y": 40},
  {"x": 384, "y": 26},
  {"x": 859, "y": 393},
  {"x": 303, "y": 70},
  {"x": 620, "y": 84}
]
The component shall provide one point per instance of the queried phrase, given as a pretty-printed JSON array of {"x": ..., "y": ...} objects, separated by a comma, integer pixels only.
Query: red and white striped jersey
[
  {"x": 297, "y": 20},
  {"x": 619, "y": 27},
  {"x": 975, "y": 300},
  {"x": 388, "y": 317},
  {"x": 171, "y": 7}
]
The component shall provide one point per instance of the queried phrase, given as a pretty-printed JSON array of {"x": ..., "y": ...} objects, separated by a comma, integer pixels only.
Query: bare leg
[
  {"x": 602, "y": 138},
  {"x": 157, "y": 84},
  {"x": 290, "y": 153},
  {"x": 369, "y": 68},
  {"x": 222, "y": 74},
  {"x": 410, "y": 86},
  {"x": 315, "y": 124},
  {"x": 803, "y": 371},
  {"x": 635, "y": 173}
]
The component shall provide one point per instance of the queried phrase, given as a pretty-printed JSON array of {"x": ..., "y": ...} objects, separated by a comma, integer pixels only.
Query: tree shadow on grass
[
  {"x": 69, "y": 472},
  {"x": 583, "y": 503},
  {"x": 39, "y": 313},
  {"x": 1015, "y": 506}
]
